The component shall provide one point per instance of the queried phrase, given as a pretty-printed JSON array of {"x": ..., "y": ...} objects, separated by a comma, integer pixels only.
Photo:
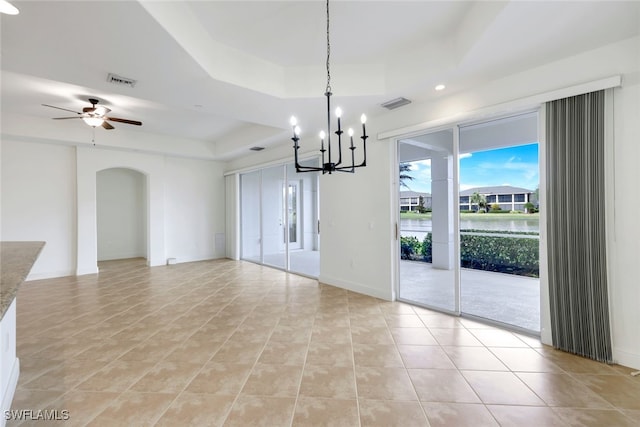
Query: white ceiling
[{"x": 231, "y": 73}]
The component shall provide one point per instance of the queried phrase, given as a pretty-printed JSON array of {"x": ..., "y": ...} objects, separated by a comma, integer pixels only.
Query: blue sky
[{"x": 515, "y": 166}]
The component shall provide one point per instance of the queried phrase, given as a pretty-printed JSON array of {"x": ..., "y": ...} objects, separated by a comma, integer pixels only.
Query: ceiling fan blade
[
  {"x": 107, "y": 126},
  {"x": 129, "y": 122},
  {"x": 60, "y": 108},
  {"x": 65, "y": 118}
]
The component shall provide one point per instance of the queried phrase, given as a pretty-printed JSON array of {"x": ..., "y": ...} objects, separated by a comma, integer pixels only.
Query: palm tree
[
  {"x": 478, "y": 199},
  {"x": 405, "y": 168}
]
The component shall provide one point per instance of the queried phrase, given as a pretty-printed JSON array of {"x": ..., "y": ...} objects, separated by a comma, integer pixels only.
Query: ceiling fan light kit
[
  {"x": 96, "y": 115},
  {"x": 93, "y": 121},
  {"x": 328, "y": 164}
]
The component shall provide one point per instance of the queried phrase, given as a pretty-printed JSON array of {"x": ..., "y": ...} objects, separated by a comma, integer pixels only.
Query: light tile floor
[{"x": 238, "y": 344}]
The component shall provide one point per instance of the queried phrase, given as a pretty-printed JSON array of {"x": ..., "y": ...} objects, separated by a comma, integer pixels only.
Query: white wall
[
  {"x": 623, "y": 250},
  {"x": 38, "y": 188},
  {"x": 195, "y": 211},
  {"x": 121, "y": 214}
]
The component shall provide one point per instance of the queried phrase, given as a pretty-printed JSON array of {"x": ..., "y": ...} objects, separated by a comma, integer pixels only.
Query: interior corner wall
[{"x": 38, "y": 186}]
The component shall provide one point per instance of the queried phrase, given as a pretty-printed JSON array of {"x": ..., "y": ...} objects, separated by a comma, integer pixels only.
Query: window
[
  {"x": 519, "y": 198},
  {"x": 504, "y": 198},
  {"x": 464, "y": 199}
]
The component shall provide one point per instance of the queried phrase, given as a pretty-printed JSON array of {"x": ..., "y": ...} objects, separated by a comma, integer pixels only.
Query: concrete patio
[{"x": 506, "y": 298}]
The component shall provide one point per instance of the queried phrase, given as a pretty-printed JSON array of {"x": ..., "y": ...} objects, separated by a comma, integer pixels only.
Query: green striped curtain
[{"x": 576, "y": 226}]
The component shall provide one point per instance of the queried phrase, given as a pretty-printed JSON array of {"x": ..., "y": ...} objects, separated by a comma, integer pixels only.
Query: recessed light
[{"x": 440, "y": 87}]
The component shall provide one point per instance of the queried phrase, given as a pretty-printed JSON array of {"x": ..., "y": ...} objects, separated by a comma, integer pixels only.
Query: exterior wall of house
[
  {"x": 410, "y": 202},
  {"x": 507, "y": 202}
]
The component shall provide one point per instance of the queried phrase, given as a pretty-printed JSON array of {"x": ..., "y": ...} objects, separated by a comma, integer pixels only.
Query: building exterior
[
  {"x": 410, "y": 201},
  {"x": 507, "y": 197}
]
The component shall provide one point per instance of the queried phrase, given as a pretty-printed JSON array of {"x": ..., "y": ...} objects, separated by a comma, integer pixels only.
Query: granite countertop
[{"x": 16, "y": 260}]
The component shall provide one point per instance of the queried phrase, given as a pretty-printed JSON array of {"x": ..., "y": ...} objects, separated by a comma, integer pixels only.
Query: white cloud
[{"x": 465, "y": 155}]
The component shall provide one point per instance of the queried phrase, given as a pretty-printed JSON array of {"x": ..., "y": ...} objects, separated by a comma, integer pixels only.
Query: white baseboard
[
  {"x": 181, "y": 260},
  {"x": 50, "y": 275},
  {"x": 10, "y": 391},
  {"x": 357, "y": 287},
  {"x": 625, "y": 358},
  {"x": 83, "y": 271}
]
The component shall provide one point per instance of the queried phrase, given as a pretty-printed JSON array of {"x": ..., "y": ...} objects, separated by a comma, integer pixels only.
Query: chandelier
[{"x": 329, "y": 162}]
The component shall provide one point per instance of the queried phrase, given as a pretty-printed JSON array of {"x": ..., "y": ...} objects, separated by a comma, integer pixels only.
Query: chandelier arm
[
  {"x": 346, "y": 169},
  {"x": 307, "y": 169},
  {"x": 364, "y": 151}
]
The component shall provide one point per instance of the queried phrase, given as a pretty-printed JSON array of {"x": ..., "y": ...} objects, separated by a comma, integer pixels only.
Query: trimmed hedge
[{"x": 512, "y": 255}]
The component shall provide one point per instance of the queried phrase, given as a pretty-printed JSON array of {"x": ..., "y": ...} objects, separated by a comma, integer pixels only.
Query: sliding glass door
[
  {"x": 469, "y": 235},
  {"x": 279, "y": 218},
  {"x": 427, "y": 246},
  {"x": 499, "y": 223},
  {"x": 274, "y": 227}
]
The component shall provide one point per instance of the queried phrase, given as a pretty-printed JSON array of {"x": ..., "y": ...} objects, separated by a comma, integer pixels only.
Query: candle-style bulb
[
  {"x": 338, "y": 112},
  {"x": 322, "y": 134},
  {"x": 363, "y": 119},
  {"x": 293, "y": 121},
  {"x": 296, "y": 130},
  {"x": 350, "y": 132}
]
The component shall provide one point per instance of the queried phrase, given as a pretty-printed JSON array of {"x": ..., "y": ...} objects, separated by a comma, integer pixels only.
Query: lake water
[{"x": 420, "y": 227}]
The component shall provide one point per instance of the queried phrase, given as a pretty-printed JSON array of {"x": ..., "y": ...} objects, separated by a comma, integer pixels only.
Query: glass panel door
[
  {"x": 293, "y": 214},
  {"x": 303, "y": 208},
  {"x": 273, "y": 217},
  {"x": 428, "y": 259},
  {"x": 499, "y": 224},
  {"x": 279, "y": 214},
  {"x": 250, "y": 230}
]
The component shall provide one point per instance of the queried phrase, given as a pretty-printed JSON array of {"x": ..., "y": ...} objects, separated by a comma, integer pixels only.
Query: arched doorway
[{"x": 121, "y": 214}]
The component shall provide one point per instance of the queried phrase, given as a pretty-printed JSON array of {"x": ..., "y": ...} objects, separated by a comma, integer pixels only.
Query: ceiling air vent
[
  {"x": 119, "y": 80},
  {"x": 256, "y": 148},
  {"x": 395, "y": 103}
]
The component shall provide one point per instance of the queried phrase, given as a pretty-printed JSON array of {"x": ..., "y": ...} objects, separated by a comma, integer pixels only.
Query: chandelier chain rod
[{"x": 328, "y": 53}]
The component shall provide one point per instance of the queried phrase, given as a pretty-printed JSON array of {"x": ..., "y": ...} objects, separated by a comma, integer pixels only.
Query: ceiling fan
[{"x": 95, "y": 115}]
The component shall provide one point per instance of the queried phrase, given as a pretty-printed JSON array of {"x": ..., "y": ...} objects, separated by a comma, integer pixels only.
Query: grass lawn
[{"x": 476, "y": 216}]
